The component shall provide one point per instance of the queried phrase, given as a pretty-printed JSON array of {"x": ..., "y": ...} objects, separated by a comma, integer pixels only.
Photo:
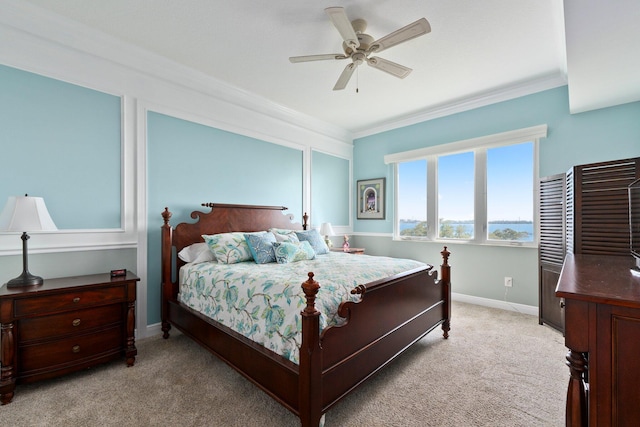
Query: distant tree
[
  {"x": 459, "y": 232},
  {"x": 508, "y": 234},
  {"x": 419, "y": 230},
  {"x": 446, "y": 230}
]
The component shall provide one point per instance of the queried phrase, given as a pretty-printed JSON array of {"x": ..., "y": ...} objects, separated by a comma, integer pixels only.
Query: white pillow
[{"x": 196, "y": 253}]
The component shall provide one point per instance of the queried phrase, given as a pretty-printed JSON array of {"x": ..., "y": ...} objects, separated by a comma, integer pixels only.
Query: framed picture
[{"x": 371, "y": 198}]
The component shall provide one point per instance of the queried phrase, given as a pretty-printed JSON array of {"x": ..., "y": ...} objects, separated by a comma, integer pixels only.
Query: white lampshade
[
  {"x": 326, "y": 229},
  {"x": 25, "y": 213}
]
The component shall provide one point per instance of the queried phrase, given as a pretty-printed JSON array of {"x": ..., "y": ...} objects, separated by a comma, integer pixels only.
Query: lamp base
[{"x": 24, "y": 280}]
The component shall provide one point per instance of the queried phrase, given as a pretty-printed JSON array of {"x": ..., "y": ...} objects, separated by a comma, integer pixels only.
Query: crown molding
[
  {"x": 492, "y": 97},
  {"x": 51, "y": 28},
  {"x": 29, "y": 19}
]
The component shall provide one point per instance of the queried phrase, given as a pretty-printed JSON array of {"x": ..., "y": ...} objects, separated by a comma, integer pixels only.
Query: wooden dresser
[
  {"x": 65, "y": 325},
  {"x": 602, "y": 331}
]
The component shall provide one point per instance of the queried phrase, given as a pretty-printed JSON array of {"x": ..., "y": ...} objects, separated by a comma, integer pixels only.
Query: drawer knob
[
  {"x": 75, "y": 349},
  {"x": 76, "y": 322},
  {"x": 76, "y": 300}
]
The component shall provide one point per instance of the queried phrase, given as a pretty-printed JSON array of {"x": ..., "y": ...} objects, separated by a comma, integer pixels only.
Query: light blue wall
[
  {"x": 329, "y": 189},
  {"x": 190, "y": 164},
  {"x": 600, "y": 135},
  {"x": 61, "y": 142},
  {"x": 67, "y": 140},
  {"x": 65, "y": 264}
]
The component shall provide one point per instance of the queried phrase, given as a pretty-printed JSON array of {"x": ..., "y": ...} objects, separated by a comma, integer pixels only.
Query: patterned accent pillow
[
  {"x": 228, "y": 248},
  {"x": 315, "y": 239},
  {"x": 283, "y": 235},
  {"x": 291, "y": 252},
  {"x": 261, "y": 246}
]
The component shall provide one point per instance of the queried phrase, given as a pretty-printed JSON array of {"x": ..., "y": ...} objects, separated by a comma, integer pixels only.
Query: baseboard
[
  {"x": 151, "y": 330},
  {"x": 503, "y": 305}
]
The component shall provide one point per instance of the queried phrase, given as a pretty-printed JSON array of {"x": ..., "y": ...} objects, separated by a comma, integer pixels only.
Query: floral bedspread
[{"x": 263, "y": 301}]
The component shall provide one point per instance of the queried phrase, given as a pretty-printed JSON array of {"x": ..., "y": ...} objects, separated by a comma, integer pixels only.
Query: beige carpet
[{"x": 498, "y": 368}]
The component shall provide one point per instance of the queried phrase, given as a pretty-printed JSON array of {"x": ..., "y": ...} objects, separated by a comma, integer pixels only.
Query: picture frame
[{"x": 371, "y": 198}]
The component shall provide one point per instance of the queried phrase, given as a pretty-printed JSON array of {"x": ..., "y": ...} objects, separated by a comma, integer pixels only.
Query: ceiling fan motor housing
[{"x": 365, "y": 41}]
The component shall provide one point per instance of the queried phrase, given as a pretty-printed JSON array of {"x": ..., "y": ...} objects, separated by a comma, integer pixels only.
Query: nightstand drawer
[
  {"x": 69, "y": 323},
  {"x": 71, "y": 300},
  {"x": 69, "y": 350}
]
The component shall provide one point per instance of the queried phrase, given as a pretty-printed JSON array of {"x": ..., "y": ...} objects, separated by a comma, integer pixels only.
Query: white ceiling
[{"x": 476, "y": 49}]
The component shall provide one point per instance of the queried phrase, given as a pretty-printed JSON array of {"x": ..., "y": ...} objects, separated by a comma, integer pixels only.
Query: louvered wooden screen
[
  {"x": 601, "y": 206},
  {"x": 568, "y": 212},
  {"x": 552, "y": 223}
]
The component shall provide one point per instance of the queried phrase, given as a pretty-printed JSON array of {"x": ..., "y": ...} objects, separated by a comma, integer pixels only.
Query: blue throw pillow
[
  {"x": 261, "y": 247},
  {"x": 315, "y": 239}
]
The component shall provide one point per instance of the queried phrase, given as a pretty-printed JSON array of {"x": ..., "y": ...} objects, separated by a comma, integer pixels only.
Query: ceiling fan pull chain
[{"x": 357, "y": 79}]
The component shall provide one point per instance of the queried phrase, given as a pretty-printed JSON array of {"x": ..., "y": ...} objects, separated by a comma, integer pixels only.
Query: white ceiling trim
[
  {"x": 53, "y": 28},
  {"x": 500, "y": 95}
]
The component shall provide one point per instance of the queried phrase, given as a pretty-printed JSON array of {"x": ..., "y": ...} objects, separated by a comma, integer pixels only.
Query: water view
[{"x": 498, "y": 230}]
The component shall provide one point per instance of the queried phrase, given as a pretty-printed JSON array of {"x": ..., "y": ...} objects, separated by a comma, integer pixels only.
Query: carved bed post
[
  {"x": 445, "y": 269},
  {"x": 310, "y": 375},
  {"x": 167, "y": 288}
]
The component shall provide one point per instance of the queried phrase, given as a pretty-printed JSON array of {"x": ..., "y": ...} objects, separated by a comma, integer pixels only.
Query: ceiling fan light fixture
[{"x": 358, "y": 58}]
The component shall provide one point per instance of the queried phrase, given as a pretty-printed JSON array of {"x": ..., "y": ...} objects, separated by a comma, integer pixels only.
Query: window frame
[{"x": 479, "y": 147}]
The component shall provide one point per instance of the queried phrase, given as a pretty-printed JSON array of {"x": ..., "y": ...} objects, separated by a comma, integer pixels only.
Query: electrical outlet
[{"x": 508, "y": 282}]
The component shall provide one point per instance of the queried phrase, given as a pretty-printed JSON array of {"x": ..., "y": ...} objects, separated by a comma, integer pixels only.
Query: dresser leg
[
  {"x": 7, "y": 357},
  {"x": 577, "y": 415}
]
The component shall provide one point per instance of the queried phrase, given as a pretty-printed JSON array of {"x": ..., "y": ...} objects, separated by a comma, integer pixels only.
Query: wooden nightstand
[
  {"x": 65, "y": 325},
  {"x": 355, "y": 251}
]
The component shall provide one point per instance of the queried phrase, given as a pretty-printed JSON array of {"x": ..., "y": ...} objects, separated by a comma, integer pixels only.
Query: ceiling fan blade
[
  {"x": 411, "y": 31},
  {"x": 343, "y": 25},
  {"x": 308, "y": 58},
  {"x": 392, "y": 68},
  {"x": 345, "y": 76}
]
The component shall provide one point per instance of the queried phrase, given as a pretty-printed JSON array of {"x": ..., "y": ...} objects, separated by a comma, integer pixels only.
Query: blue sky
[{"x": 509, "y": 185}]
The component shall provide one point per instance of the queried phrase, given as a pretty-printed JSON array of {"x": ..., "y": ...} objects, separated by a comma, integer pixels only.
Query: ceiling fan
[{"x": 358, "y": 45}]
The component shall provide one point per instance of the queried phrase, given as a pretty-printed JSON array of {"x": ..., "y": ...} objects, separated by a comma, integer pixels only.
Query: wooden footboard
[{"x": 391, "y": 315}]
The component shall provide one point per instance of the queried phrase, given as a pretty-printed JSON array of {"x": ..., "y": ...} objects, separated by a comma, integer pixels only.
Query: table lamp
[
  {"x": 25, "y": 214},
  {"x": 326, "y": 230}
]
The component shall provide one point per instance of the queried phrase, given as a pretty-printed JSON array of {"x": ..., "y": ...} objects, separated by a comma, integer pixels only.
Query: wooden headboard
[{"x": 223, "y": 218}]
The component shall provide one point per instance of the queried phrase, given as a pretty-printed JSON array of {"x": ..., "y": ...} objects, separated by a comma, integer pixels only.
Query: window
[
  {"x": 456, "y": 196},
  {"x": 412, "y": 198},
  {"x": 510, "y": 192},
  {"x": 481, "y": 190}
]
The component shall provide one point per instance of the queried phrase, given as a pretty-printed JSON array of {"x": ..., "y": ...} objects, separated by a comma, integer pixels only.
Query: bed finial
[
  {"x": 445, "y": 256},
  {"x": 305, "y": 221},
  {"x": 310, "y": 288},
  {"x": 166, "y": 215}
]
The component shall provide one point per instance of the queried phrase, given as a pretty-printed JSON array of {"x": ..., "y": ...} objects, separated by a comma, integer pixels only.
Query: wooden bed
[{"x": 332, "y": 363}]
